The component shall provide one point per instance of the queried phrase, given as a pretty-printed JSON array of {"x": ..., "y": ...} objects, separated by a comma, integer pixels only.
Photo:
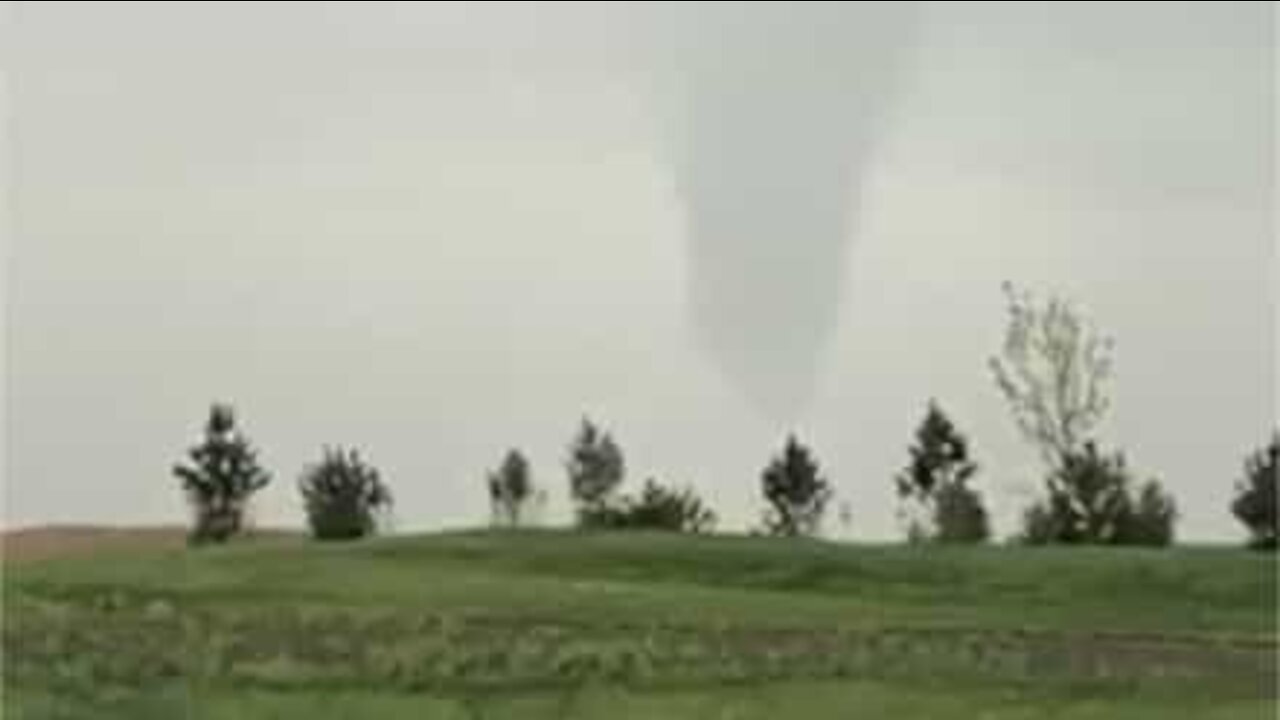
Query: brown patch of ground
[{"x": 56, "y": 541}]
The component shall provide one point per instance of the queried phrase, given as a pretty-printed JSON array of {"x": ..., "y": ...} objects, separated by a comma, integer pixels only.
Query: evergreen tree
[
  {"x": 935, "y": 484},
  {"x": 221, "y": 475},
  {"x": 795, "y": 490},
  {"x": 1255, "y": 501}
]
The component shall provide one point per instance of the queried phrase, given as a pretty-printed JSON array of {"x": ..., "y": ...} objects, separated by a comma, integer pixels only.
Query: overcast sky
[{"x": 438, "y": 230}]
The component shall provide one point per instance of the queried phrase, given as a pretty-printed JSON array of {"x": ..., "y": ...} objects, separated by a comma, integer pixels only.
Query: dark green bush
[{"x": 343, "y": 496}]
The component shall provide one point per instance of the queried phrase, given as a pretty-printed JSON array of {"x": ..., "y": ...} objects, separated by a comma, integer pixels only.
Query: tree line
[{"x": 1052, "y": 371}]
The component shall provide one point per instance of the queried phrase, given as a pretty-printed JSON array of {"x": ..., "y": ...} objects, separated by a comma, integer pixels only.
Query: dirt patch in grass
[{"x": 58, "y": 541}]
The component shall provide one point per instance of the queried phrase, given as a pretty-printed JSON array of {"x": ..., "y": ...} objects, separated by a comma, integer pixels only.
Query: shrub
[
  {"x": 663, "y": 508},
  {"x": 1090, "y": 501},
  {"x": 343, "y": 496},
  {"x": 659, "y": 508},
  {"x": 1255, "y": 502},
  {"x": 959, "y": 516},
  {"x": 1152, "y": 520}
]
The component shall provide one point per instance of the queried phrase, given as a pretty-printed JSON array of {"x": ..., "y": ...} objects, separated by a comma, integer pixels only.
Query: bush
[
  {"x": 1039, "y": 525},
  {"x": 223, "y": 473},
  {"x": 959, "y": 516},
  {"x": 657, "y": 508},
  {"x": 1255, "y": 502},
  {"x": 676, "y": 509},
  {"x": 343, "y": 496},
  {"x": 1090, "y": 502},
  {"x": 664, "y": 508},
  {"x": 1152, "y": 519}
]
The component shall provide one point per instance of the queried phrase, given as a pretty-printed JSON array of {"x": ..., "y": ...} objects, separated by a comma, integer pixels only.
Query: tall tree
[
  {"x": 596, "y": 467},
  {"x": 796, "y": 491},
  {"x": 1255, "y": 501},
  {"x": 1052, "y": 371},
  {"x": 938, "y": 503},
  {"x": 343, "y": 496},
  {"x": 221, "y": 474},
  {"x": 510, "y": 489}
]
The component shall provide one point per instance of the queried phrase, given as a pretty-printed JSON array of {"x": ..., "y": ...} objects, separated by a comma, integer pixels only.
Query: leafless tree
[{"x": 1053, "y": 372}]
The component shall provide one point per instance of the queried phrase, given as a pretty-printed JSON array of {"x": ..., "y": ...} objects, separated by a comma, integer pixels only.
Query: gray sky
[{"x": 438, "y": 230}]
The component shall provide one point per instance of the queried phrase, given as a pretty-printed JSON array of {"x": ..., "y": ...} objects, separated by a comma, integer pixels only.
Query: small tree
[
  {"x": 1153, "y": 517},
  {"x": 935, "y": 484},
  {"x": 343, "y": 496},
  {"x": 596, "y": 468},
  {"x": 665, "y": 508},
  {"x": 1255, "y": 501},
  {"x": 220, "y": 477},
  {"x": 510, "y": 489},
  {"x": 1090, "y": 501},
  {"x": 959, "y": 516},
  {"x": 1052, "y": 371},
  {"x": 795, "y": 490}
]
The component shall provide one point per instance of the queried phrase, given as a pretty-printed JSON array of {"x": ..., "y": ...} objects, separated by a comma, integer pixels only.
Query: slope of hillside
[{"x": 563, "y": 624}]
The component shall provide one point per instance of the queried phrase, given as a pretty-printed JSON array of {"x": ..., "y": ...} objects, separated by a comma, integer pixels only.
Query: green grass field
[{"x": 545, "y": 624}]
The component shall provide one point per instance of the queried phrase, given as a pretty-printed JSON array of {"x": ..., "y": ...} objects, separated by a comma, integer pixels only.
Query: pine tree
[
  {"x": 935, "y": 484},
  {"x": 222, "y": 473},
  {"x": 795, "y": 490}
]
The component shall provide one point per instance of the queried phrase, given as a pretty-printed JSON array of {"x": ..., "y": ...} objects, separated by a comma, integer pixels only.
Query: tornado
[{"x": 773, "y": 118}]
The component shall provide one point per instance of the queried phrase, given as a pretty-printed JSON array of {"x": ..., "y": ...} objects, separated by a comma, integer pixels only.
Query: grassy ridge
[
  {"x": 660, "y": 576},
  {"x": 495, "y": 620}
]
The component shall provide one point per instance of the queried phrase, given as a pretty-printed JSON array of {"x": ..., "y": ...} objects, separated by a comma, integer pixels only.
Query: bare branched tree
[{"x": 1053, "y": 372}]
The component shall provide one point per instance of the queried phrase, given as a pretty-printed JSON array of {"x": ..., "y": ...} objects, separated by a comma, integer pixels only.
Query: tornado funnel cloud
[{"x": 773, "y": 128}]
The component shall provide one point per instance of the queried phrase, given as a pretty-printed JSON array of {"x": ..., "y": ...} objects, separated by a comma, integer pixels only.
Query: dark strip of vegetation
[{"x": 1052, "y": 370}]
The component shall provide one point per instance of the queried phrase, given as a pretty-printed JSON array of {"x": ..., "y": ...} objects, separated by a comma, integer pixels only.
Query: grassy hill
[{"x": 561, "y": 624}]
